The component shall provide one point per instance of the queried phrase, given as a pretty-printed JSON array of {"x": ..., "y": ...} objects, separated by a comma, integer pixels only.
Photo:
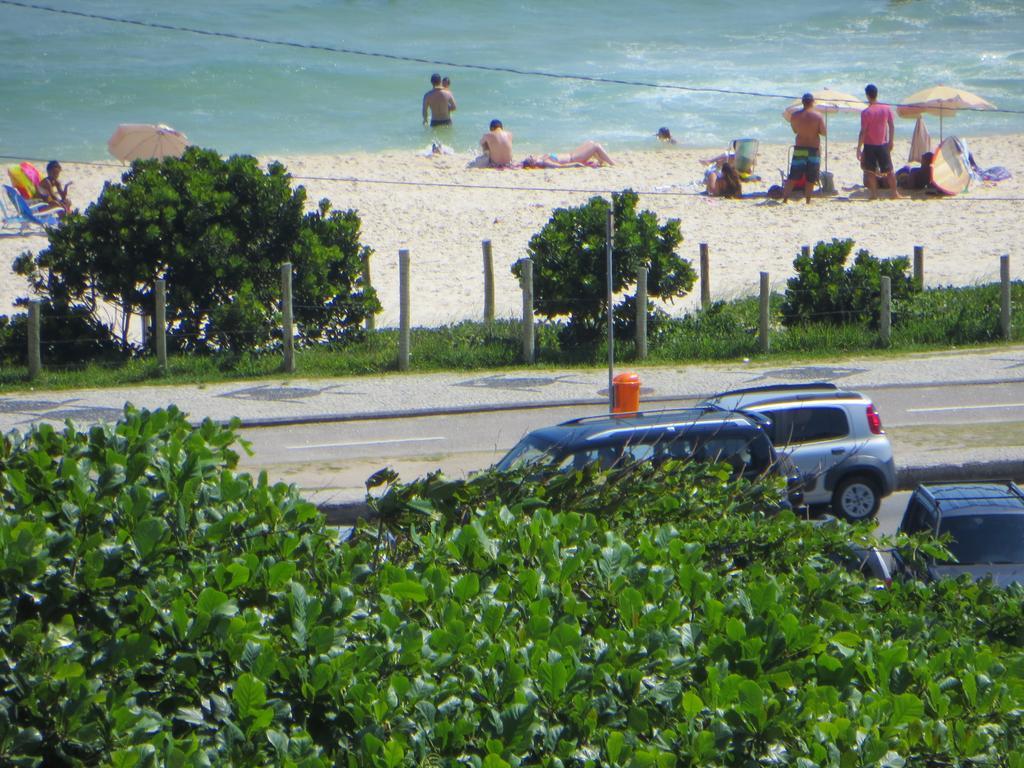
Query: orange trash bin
[{"x": 627, "y": 393}]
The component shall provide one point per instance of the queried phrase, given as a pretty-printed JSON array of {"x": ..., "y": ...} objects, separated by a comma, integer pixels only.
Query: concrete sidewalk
[{"x": 297, "y": 400}]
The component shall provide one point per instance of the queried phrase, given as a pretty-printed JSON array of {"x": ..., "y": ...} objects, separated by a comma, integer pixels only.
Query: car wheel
[{"x": 856, "y": 498}]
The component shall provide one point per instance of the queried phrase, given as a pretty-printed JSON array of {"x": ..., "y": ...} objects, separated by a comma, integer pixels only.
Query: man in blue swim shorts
[{"x": 809, "y": 126}]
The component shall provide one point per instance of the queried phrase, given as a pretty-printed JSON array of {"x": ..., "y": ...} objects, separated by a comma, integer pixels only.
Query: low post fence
[{"x": 158, "y": 340}]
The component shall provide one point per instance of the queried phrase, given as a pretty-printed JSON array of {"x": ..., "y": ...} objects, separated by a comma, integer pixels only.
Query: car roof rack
[
  {"x": 695, "y": 410},
  {"x": 827, "y": 385},
  {"x": 996, "y": 490},
  {"x": 801, "y": 397}
]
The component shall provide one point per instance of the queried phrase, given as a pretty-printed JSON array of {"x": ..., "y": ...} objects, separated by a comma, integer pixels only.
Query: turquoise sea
[{"x": 70, "y": 79}]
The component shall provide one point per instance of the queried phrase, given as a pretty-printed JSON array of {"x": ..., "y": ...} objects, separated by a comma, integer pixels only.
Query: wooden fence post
[
  {"x": 1004, "y": 296},
  {"x": 160, "y": 324},
  {"x": 764, "y": 306},
  {"x": 641, "y": 313},
  {"x": 371, "y": 320},
  {"x": 488, "y": 283},
  {"x": 705, "y": 277},
  {"x": 287, "y": 322},
  {"x": 404, "y": 320},
  {"x": 35, "y": 358},
  {"x": 526, "y": 281},
  {"x": 885, "y": 312},
  {"x": 919, "y": 267}
]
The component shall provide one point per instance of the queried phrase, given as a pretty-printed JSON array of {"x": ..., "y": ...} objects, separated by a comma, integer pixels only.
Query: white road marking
[
  {"x": 364, "y": 442},
  {"x": 964, "y": 407}
]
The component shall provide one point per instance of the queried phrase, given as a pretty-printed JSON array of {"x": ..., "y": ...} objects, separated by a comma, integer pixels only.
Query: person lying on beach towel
[{"x": 582, "y": 156}]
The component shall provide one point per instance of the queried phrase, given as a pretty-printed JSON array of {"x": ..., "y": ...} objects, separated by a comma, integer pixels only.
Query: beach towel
[
  {"x": 993, "y": 174},
  {"x": 921, "y": 141}
]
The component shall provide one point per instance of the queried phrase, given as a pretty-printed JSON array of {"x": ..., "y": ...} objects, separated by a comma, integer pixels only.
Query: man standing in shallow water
[
  {"x": 439, "y": 102},
  {"x": 874, "y": 144},
  {"x": 809, "y": 126}
]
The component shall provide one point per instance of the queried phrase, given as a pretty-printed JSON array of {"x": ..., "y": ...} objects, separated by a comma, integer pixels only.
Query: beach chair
[
  {"x": 745, "y": 153},
  {"x": 825, "y": 184},
  {"x": 23, "y": 215}
]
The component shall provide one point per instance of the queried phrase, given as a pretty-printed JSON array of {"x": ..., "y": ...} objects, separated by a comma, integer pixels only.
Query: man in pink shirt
[{"x": 874, "y": 144}]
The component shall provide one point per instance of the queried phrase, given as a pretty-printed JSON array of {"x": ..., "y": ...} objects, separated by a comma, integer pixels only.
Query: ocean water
[{"x": 69, "y": 80}]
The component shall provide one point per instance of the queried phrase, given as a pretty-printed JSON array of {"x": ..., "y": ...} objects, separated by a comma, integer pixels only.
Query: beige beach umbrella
[
  {"x": 142, "y": 141},
  {"x": 827, "y": 101},
  {"x": 941, "y": 100}
]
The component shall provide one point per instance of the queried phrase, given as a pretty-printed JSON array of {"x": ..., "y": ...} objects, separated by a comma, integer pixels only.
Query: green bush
[
  {"x": 158, "y": 609},
  {"x": 218, "y": 232},
  {"x": 824, "y": 291},
  {"x": 570, "y": 263},
  {"x": 68, "y": 336}
]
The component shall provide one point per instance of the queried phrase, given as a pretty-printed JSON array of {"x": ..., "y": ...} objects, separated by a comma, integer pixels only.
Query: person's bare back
[
  {"x": 497, "y": 145},
  {"x": 439, "y": 102},
  {"x": 809, "y": 126}
]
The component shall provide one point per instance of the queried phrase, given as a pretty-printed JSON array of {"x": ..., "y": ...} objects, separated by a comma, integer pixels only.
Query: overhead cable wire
[
  {"x": 420, "y": 60},
  {"x": 513, "y": 187}
]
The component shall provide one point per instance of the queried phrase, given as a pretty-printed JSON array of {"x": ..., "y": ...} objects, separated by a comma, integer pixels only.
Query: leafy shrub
[
  {"x": 724, "y": 330},
  {"x": 954, "y": 315},
  {"x": 570, "y": 262},
  {"x": 157, "y": 608},
  {"x": 68, "y": 336},
  {"x": 823, "y": 290},
  {"x": 218, "y": 232}
]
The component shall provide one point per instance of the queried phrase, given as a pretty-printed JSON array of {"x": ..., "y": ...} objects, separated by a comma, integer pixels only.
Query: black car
[
  {"x": 698, "y": 434},
  {"x": 985, "y": 523}
]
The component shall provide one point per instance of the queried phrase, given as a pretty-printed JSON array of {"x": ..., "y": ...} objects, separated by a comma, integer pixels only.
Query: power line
[
  {"x": 516, "y": 188},
  {"x": 418, "y": 60}
]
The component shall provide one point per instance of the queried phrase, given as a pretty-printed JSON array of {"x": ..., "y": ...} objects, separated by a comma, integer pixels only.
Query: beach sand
[{"x": 441, "y": 209}]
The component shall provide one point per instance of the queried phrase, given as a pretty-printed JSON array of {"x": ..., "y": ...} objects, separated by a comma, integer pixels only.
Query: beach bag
[{"x": 828, "y": 183}]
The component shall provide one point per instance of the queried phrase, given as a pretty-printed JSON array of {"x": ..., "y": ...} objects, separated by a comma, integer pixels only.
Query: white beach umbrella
[
  {"x": 141, "y": 141},
  {"x": 827, "y": 101},
  {"x": 941, "y": 100}
]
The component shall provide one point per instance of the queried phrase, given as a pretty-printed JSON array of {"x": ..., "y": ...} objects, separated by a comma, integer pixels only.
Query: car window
[
  {"x": 807, "y": 424},
  {"x": 985, "y": 538},
  {"x": 748, "y": 454},
  {"x": 916, "y": 518}
]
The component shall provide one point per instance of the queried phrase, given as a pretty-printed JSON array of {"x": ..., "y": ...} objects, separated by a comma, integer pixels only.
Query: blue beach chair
[{"x": 23, "y": 215}]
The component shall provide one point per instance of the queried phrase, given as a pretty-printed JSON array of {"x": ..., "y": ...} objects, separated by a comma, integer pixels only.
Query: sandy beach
[{"x": 441, "y": 209}]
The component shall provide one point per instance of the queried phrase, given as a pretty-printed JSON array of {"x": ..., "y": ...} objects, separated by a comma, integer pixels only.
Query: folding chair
[
  {"x": 24, "y": 215},
  {"x": 745, "y": 153}
]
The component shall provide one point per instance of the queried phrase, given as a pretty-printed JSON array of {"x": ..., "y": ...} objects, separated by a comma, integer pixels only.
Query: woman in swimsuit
[
  {"x": 51, "y": 191},
  {"x": 724, "y": 182},
  {"x": 579, "y": 157}
]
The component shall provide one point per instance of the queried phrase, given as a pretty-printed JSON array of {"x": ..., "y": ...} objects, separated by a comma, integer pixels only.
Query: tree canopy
[
  {"x": 570, "y": 262},
  {"x": 217, "y": 231}
]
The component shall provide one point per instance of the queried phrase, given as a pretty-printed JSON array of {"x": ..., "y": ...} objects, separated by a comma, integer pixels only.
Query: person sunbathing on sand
[{"x": 578, "y": 158}]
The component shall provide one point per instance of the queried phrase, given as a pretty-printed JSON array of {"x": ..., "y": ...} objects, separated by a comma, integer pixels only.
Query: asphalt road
[{"x": 335, "y": 458}]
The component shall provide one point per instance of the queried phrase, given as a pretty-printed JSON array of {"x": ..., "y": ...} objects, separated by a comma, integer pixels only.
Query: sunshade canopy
[
  {"x": 141, "y": 141},
  {"x": 941, "y": 100},
  {"x": 827, "y": 100}
]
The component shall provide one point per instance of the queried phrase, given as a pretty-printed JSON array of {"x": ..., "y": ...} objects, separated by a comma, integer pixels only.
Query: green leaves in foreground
[{"x": 156, "y": 608}]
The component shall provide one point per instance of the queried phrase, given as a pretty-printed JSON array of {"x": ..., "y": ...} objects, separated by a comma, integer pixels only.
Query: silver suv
[{"x": 834, "y": 437}]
